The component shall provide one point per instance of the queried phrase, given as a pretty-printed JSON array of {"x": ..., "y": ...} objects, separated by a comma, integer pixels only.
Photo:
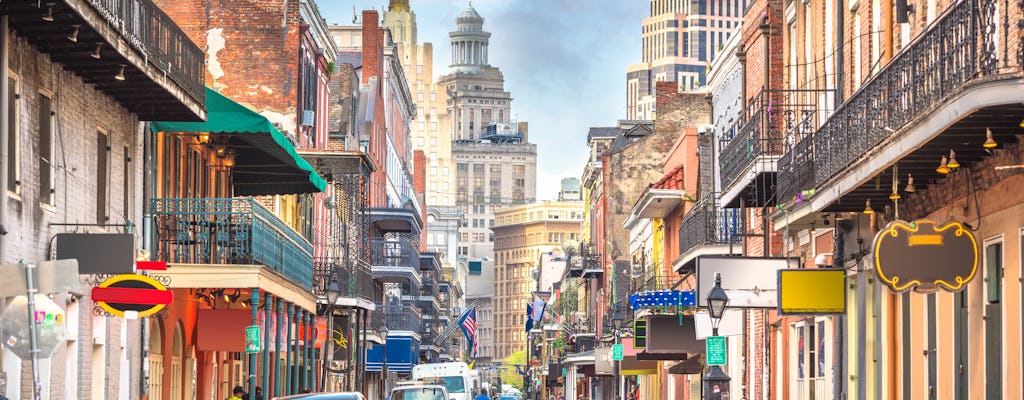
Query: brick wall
[
  {"x": 252, "y": 50},
  {"x": 79, "y": 113}
]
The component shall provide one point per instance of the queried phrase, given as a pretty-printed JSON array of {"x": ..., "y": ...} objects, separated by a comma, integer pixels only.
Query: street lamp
[
  {"x": 617, "y": 322},
  {"x": 716, "y": 382},
  {"x": 333, "y": 291}
]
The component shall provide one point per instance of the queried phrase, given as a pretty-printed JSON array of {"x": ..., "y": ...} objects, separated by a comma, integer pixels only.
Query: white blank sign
[{"x": 750, "y": 282}]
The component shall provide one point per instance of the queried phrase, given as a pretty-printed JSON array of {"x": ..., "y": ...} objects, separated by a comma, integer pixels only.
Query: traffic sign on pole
[
  {"x": 715, "y": 350},
  {"x": 617, "y": 352},
  {"x": 252, "y": 339}
]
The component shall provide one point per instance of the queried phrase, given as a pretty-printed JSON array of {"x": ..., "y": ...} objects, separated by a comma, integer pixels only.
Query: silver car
[{"x": 419, "y": 392}]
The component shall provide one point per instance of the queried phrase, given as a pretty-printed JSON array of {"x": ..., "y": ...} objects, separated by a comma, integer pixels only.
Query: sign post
[
  {"x": 617, "y": 352},
  {"x": 252, "y": 339},
  {"x": 715, "y": 350}
]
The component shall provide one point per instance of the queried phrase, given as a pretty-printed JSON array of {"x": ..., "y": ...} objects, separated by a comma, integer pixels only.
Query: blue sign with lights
[{"x": 663, "y": 298}]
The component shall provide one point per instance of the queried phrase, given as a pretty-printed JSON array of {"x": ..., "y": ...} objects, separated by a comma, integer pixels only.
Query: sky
[{"x": 564, "y": 63}]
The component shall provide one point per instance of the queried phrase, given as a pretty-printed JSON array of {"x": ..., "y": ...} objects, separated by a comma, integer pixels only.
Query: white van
[{"x": 456, "y": 377}]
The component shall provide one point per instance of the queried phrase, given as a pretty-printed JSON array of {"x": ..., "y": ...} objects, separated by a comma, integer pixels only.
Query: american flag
[{"x": 469, "y": 328}]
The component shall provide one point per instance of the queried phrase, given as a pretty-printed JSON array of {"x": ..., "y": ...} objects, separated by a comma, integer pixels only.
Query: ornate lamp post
[
  {"x": 617, "y": 322},
  {"x": 333, "y": 291},
  {"x": 716, "y": 382}
]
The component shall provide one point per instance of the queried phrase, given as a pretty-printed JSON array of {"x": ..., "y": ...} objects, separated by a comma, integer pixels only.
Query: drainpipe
[
  {"x": 4, "y": 106},
  {"x": 839, "y": 53}
]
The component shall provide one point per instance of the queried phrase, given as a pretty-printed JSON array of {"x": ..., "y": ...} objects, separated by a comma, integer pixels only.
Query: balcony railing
[
  {"x": 774, "y": 118},
  {"x": 230, "y": 231},
  {"x": 149, "y": 30},
  {"x": 354, "y": 280},
  {"x": 707, "y": 224},
  {"x": 950, "y": 55},
  {"x": 403, "y": 317},
  {"x": 398, "y": 251}
]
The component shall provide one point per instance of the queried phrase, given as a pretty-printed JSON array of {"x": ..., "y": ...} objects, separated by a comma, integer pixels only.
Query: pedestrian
[
  {"x": 237, "y": 393},
  {"x": 259, "y": 393},
  {"x": 482, "y": 396}
]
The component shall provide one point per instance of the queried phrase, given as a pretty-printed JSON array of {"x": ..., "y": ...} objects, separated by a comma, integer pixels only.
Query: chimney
[
  {"x": 665, "y": 92},
  {"x": 373, "y": 52}
]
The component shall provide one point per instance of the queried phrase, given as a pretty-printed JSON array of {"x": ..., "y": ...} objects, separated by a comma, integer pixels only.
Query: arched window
[
  {"x": 156, "y": 359},
  {"x": 177, "y": 353}
]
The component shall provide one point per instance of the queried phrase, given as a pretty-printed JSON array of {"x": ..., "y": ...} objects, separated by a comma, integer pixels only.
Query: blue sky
[{"x": 564, "y": 62}]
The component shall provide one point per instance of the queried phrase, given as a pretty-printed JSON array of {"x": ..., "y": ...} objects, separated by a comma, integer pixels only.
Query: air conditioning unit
[{"x": 308, "y": 116}]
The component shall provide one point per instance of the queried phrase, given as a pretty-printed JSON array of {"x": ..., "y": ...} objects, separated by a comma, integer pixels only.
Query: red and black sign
[{"x": 132, "y": 296}]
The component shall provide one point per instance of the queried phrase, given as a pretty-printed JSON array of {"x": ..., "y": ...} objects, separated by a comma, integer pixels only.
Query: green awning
[{"x": 265, "y": 160}]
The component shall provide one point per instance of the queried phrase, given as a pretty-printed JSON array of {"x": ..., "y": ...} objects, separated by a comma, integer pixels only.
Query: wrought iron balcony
[
  {"x": 775, "y": 118},
  {"x": 237, "y": 231},
  {"x": 354, "y": 279},
  {"x": 957, "y": 51},
  {"x": 402, "y": 317},
  {"x": 396, "y": 258},
  {"x": 707, "y": 229},
  {"x": 159, "y": 71}
]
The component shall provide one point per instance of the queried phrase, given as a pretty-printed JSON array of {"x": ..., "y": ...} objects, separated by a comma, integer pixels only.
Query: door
[{"x": 993, "y": 321}]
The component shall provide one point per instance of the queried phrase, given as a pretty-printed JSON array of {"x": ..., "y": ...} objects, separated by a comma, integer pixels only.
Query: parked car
[
  {"x": 325, "y": 396},
  {"x": 419, "y": 392}
]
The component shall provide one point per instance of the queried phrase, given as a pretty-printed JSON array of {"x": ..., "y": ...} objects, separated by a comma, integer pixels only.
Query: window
[
  {"x": 45, "y": 150},
  {"x": 14, "y": 156},
  {"x": 102, "y": 176},
  {"x": 519, "y": 169},
  {"x": 433, "y": 128}
]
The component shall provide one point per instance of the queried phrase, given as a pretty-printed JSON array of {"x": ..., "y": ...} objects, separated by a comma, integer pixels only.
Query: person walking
[{"x": 238, "y": 393}]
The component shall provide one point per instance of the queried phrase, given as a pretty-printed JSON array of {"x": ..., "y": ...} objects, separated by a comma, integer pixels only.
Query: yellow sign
[{"x": 812, "y": 291}]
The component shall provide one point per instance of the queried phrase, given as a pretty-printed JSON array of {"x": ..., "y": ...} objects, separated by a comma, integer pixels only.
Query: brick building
[{"x": 72, "y": 145}]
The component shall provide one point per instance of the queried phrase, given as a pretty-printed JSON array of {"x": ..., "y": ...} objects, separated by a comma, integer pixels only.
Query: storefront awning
[{"x": 265, "y": 159}]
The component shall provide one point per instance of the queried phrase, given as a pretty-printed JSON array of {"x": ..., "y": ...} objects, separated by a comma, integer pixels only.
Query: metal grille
[
  {"x": 230, "y": 231},
  {"x": 936, "y": 66},
  {"x": 708, "y": 224},
  {"x": 148, "y": 29}
]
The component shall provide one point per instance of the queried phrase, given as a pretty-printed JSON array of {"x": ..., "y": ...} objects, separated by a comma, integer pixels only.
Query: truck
[{"x": 461, "y": 382}]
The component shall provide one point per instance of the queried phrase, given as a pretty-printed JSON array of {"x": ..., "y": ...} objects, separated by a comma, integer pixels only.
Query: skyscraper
[
  {"x": 680, "y": 39},
  {"x": 495, "y": 166}
]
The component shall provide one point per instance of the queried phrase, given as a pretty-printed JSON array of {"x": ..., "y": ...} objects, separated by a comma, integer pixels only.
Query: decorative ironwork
[
  {"x": 936, "y": 66},
  {"x": 708, "y": 224},
  {"x": 395, "y": 250},
  {"x": 775, "y": 119},
  {"x": 354, "y": 280},
  {"x": 150, "y": 31},
  {"x": 230, "y": 231},
  {"x": 402, "y": 317}
]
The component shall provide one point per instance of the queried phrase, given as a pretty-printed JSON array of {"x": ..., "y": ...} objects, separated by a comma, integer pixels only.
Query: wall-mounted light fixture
[
  {"x": 910, "y": 184},
  {"x": 953, "y": 164},
  {"x": 867, "y": 208},
  {"x": 990, "y": 143},
  {"x": 120, "y": 74},
  {"x": 73, "y": 37},
  {"x": 96, "y": 53},
  {"x": 942, "y": 168},
  {"x": 49, "y": 13}
]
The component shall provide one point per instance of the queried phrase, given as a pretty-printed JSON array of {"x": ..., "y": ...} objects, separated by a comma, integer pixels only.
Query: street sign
[
  {"x": 132, "y": 296},
  {"x": 49, "y": 321},
  {"x": 617, "y": 352},
  {"x": 252, "y": 339},
  {"x": 48, "y": 277},
  {"x": 715, "y": 350}
]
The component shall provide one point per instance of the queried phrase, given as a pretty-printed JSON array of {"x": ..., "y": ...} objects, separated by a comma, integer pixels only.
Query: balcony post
[
  {"x": 255, "y": 302},
  {"x": 307, "y": 378},
  {"x": 289, "y": 387},
  {"x": 267, "y": 305},
  {"x": 279, "y": 320}
]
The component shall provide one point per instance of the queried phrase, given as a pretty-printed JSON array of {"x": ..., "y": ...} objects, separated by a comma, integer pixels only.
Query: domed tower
[
  {"x": 469, "y": 41},
  {"x": 401, "y": 21}
]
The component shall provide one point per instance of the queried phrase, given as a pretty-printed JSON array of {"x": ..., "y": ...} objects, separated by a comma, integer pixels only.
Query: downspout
[
  {"x": 148, "y": 165},
  {"x": 4, "y": 134},
  {"x": 840, "y": 44}
]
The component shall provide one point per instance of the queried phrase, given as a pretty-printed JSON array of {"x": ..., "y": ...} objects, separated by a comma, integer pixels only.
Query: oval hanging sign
[
  {"x": 925, "y": 257},
  {"x": 132, "y": 296}
]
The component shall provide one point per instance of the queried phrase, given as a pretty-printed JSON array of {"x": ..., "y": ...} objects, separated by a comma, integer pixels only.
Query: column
[
  {"x": 255, "y": 302},
  {"x": 277, "y": 346},
  {"x": 307, "y": 364},
  {"x": 288, "y": 352},
  {"x": 268, "y": 303},
  {"x": 472, "y": 52}
]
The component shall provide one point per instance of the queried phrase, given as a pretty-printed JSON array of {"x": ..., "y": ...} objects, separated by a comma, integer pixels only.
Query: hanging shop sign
[
  {"x": 132, "y": 296},
  {"x": 809, "y": 291},
  {"x": 924, "y": 257}
]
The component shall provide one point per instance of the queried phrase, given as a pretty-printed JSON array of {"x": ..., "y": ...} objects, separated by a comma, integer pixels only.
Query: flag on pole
[
  {"x": 539, "y": 307},
  {"x": 529, "y": 317},
  {"x": 468, "y": 325}
]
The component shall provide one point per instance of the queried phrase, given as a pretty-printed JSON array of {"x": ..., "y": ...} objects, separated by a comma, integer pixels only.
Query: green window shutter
[{"x": 993, "y": 271}]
